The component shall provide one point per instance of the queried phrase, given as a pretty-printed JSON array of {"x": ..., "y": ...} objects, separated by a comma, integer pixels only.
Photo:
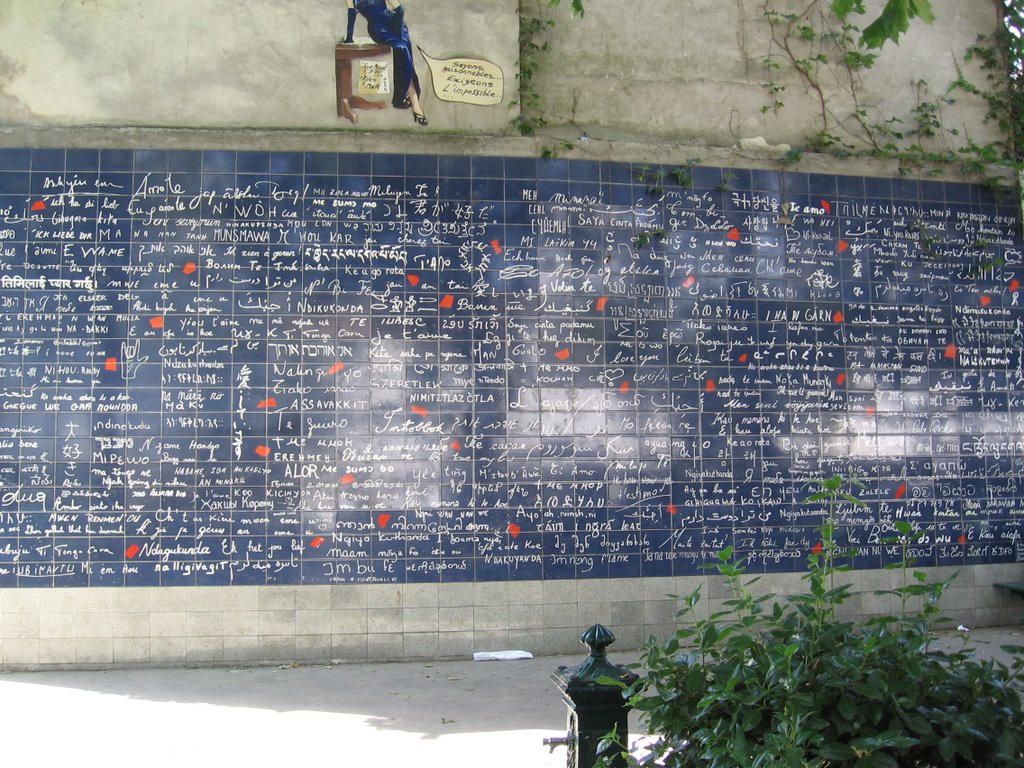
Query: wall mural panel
[{"x": 240, "y": 367}]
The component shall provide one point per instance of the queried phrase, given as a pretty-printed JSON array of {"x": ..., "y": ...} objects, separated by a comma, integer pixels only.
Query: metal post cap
[{"x": 598, "y": 637}]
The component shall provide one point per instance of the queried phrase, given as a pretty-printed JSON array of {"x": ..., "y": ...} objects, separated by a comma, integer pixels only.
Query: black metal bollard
[{"x": 594, "y": 708}]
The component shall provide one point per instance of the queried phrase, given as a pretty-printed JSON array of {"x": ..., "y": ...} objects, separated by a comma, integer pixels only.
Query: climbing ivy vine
[
  {"x": 534, "y": 39},
  {"x": 824, "y": 42}
]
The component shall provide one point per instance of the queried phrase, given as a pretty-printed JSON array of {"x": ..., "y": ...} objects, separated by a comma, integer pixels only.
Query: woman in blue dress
[{"x": 385, "y": 21}]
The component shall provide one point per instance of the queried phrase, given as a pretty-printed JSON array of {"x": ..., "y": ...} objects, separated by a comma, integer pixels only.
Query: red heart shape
[
  {"x": 624, "y": 387},
  {"x": 602, "y": 303},
  {"x": 336, "y": 368},
  {"x": 689, "y": 282},
  {"x": 838, "y": 317},
  {"x": 263, "y": 451},
  {"x": 419, "y": 410},
  {"x": 1015, "y": 285},
  {"x": 132, "y": 551},
  {"x": 348, "y": 479},
  {"x": 901, "y": 491},
  {"x": 841, "y": 379},
  {"x": 383, "y": 520},
  {"x": 414, "y": 280},
  {"x": 710, "y": 386},
  {"x": 563, "y": 354},
  {"x": 447, "y": 302},
  {"x": 744, "y": 357},
  {"x": 734, "y": 234},
  {"x": 189, "y": 268},
  {"x": 950, "y": 353},
  {"x": 826, "y": 205},
  {"x": 514, "y": 530},
  {"x": 843, "y": 246},
  {"x": 317, "y": 542},
  {"x": 986, "y": 300}
]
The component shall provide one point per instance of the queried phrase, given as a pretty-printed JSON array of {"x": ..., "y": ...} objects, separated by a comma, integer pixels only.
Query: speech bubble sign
[{"x": 469, "y": 81}]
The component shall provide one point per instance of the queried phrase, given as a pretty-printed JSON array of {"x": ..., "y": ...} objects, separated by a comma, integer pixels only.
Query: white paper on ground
[{"x": 501, "y": 655}]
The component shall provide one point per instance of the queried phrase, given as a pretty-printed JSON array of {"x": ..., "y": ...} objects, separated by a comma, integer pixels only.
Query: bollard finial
[
  {"x": 598, "y": 637},
  {"x": 597, "y": 666}
]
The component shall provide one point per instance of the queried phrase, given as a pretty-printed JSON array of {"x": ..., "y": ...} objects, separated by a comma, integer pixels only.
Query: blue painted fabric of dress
[{"x": 387, "y": 27}]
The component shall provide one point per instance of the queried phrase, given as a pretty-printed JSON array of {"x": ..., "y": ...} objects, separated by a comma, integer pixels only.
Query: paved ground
[{"x": 444, "y": 713}]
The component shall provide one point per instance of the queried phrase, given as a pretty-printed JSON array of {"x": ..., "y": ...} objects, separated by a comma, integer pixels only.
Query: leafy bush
[{"x": 785, "y": 682}]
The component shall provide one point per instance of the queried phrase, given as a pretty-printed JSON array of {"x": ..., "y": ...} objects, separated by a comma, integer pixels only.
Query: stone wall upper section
[{"x": 690, "y": 71}]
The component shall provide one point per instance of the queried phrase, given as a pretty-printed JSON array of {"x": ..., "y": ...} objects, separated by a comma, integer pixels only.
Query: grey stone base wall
[{"x": 249, "y": 626}]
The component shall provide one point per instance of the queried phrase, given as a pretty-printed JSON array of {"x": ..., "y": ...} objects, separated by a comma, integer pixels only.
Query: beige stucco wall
[
  {"x": 224, "y": 63},
  {"x": 664, "y": 70},
  {"x": 695, "y": 71}
]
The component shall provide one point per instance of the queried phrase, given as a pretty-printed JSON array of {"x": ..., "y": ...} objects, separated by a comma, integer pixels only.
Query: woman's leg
[{"x": 417, "y": 110}]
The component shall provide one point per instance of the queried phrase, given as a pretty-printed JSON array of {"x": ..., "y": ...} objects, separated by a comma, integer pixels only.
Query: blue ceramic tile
[
  {"x": 584, "y": 170},
  {"x": 421, "y": 165},
  {"x": 454, "y": 166},
  {"x": 12, "y": 159},
  {"x": 117, "y": 159},
  {"x": 287, "y": 163},
  {"x": 82, "y": 160},
  {"x": 850, "y": 186},
  {"x": 553, "y": 169},
  {"x": 520, "y": 168},
  {"x": 487, "y": 167},
  {"x": 182, "y": 161},
  {"x": 47, "y": 160},
  {"x": 932, "y": 191},
  {"x": 958, "y": 193},
  {"x": 388, "y": 165},
  {"x": 253, "y": 162},
  {"x": 878, "y": 188},
  {"x": 150, "y": 160},
  {"x": 218, "y": 161},
  {"x": 321, "y": 164}
]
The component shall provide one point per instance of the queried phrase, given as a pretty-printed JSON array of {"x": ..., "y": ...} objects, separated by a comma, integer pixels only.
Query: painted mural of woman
[{"x": 385, "y": 21}]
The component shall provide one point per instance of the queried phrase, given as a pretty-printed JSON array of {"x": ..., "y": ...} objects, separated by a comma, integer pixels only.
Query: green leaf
[
  {"x": 836, "y": 751},
  {"x": 847, "y": 708},
  {"x": 923, "y": 10},
  {"x": 876, "y": 760},
  {"x": 916, "y": 722},
  {"x": 895, "y": 20},
  {"x": 751, "y": 718},
  {"x": 843, "y": 8},
  {"x": 695, "y": 682}
]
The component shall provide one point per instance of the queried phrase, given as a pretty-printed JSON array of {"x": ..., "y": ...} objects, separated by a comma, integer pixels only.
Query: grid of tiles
[{"x": 281, "y": 368}]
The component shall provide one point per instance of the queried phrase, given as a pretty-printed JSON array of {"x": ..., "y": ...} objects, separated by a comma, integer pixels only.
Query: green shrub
[{"x": 787, "y": 683}]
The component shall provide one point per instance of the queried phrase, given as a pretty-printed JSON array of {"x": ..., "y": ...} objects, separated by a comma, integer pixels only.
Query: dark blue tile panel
[{"x": 231, "y": 367}]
